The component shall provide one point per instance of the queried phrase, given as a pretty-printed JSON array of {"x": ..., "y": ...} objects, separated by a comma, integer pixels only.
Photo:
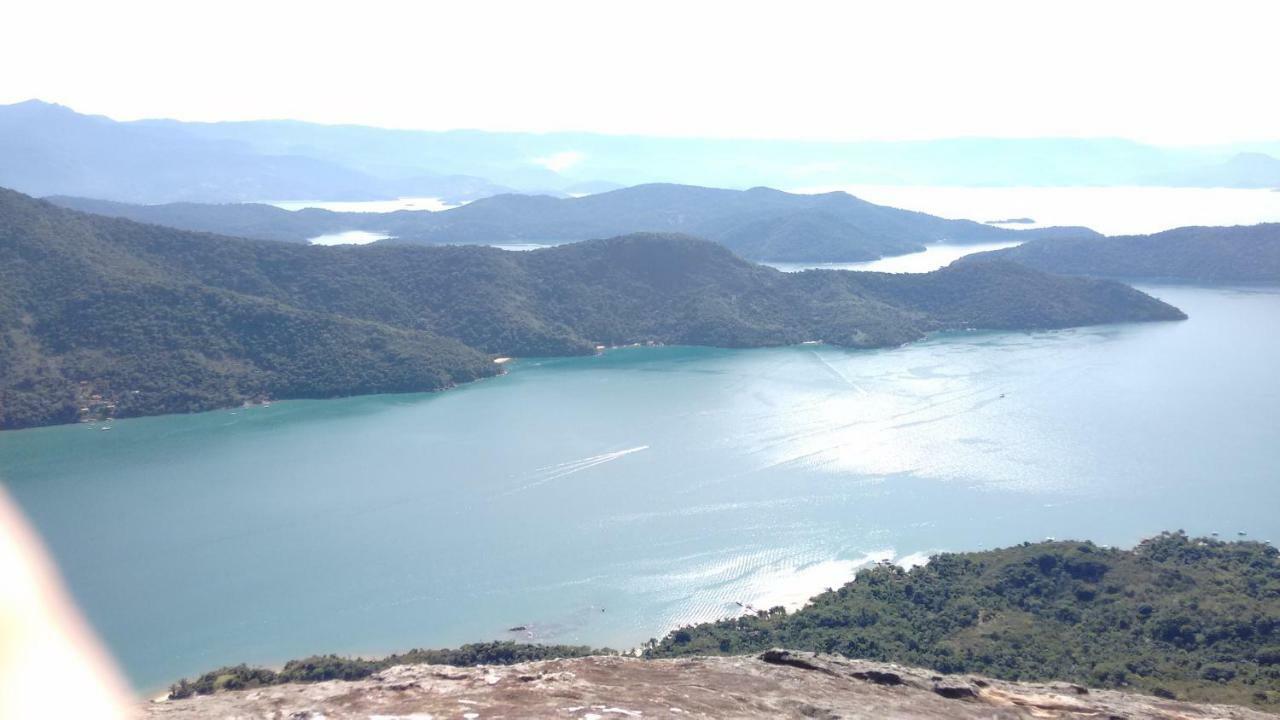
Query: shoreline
[
  {"x": 907, "y": 562},
  {"x": 795, "y": 586},
  {"x": 501, "y": 361}
]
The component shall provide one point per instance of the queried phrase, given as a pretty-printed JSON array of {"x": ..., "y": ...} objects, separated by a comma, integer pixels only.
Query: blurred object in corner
[{"x": 51, "y": 664}]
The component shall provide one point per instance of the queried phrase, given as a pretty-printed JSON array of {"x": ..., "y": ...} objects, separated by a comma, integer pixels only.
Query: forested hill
[
  {"x": 247, "y": 220},
  {"x": 760, "y": 224},
  {"x": 129, "y": 319},
  {"x": 1195, "y": 618},
  {"x": 1241, "y": 254}
]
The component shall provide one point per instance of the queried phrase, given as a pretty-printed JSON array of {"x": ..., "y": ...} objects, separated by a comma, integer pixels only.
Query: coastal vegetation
[
  {"x": 1241, "y": 254},
  {"x": 1195, "y": 618},
  {"x": 1177, "y": 617},
  {"x": 104, "y": 317},
  {"x": 320, "y": 668}
]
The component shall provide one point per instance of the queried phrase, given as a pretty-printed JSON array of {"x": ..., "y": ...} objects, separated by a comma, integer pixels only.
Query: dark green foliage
[
  {"x": 250, "y": 220},
  {"x": 759, "y": 223},
  {"x": 91, "y": 318},
  {"x": 122, "y": 319},
  {"x": 1194, "y": 617},
  {"x": 237, "y": 677},
  {"x": 1013, "y": 298},
  {"x": 320, "y": 668},
  {"x": 1242, "y": 254}
]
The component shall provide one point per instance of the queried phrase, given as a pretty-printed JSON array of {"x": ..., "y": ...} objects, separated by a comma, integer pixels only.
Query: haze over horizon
[
  {"x": 1147, "y": 72},
  {"x": 905, "y": 360}
]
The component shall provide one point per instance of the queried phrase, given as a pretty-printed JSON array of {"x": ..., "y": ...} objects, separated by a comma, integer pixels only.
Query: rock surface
[{"x": 775, "y": 684}]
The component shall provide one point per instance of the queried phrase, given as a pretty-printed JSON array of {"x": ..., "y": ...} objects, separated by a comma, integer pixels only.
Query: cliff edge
[{"x": 774, "y": 684}]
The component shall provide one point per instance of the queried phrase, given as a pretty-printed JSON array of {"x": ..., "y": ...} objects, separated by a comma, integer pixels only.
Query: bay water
[{"x": 606, "y": 500}]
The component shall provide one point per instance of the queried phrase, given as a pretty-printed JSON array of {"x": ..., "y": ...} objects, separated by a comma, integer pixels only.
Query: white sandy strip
[
  {"x": 564, "y": 469},
  {"x": 907, "y": 562},
  {"x": 349, "y": 237},
  {"x": 793, "y": 587}
]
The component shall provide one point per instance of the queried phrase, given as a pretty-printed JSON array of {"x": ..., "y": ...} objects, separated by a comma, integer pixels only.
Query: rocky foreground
[{"x": 775, "y": 684}]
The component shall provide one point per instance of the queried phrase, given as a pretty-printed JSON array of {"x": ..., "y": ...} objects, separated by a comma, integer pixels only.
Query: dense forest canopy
[
  {"x": 1241, "y": 254},
  {"x": 1195, "y": 618},
  {"x": 107, "y": 317},
  {"x": 760, "y": 224}
]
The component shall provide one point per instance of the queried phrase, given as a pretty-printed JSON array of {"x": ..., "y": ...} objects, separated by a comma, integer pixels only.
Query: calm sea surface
[
  {"x": 433, "y": 204},
  {"x": 348, "y": 237},
  {"x": 931, "y": 258},
  {"x": 606, "y": 499}
]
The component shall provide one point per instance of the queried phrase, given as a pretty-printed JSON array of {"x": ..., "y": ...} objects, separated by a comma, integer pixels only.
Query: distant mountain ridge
[
  {"x": 47, "y": 149},
  {"x": 108, "y": 317},
  {"x": 515, "y": 159},
  {"x": 1245, "y": 170},
  {"x": 760, "y": 224},
  {"x": 1241, "y": 254}
]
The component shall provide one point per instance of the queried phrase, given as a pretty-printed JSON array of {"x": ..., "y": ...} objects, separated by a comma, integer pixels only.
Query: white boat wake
[{"x": 544, "y": 475}]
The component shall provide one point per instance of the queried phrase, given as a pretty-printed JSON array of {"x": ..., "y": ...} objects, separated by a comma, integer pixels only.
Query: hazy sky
[{"x": 1167, "y": 72}]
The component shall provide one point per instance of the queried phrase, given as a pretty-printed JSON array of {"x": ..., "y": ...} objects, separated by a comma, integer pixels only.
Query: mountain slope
[
  {"x": 1241, "y": 254},
  {"x": 248, "y": 220},
  {"x": 160, "y": 320},
  {"x": 761, "y": 223},
  {"x": 81, "y": 316}
]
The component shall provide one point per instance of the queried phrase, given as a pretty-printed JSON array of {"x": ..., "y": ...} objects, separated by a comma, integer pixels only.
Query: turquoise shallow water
[{"x": 604, "y": 500}]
